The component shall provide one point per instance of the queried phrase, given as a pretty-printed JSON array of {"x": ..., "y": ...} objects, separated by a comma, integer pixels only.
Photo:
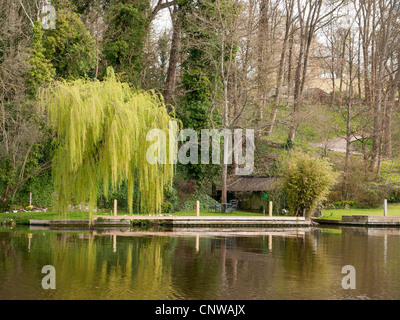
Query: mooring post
[
  {"x": 385, "y": 207},
  {"x": 114, "y": 243},
  {"x": 270, "y": 208},
  {"x": 115, "y": 207},
  {"x": 198, "y": 208},
  {"x": 270, "y": 242}
]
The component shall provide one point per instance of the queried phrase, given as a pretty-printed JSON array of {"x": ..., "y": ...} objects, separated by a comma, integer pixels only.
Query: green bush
[
  {"x": 372, "y": 194},
  {"x": 167, "y": 207},
  {"x": 307, "y": 182},
  {"x": 394, "y": 196},
  {"x": 204, "y": 199},
  {"x": 170, "y": 201},
  {"x": 121, "y": 195},
  {"x": 343, "y": 204},
  {"x": 42, "y": 190}
]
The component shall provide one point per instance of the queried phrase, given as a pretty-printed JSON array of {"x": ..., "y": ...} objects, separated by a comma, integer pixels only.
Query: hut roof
[{"x": 251, "y": 184}]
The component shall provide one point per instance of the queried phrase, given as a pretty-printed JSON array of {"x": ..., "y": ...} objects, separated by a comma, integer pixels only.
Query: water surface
[{"x": 299, "y": 264}]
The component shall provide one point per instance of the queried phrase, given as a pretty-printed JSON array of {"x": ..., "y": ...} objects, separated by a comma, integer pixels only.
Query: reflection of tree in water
[
  {"x": 200, "y": 266},
  {"x": 88, "y": 267}
]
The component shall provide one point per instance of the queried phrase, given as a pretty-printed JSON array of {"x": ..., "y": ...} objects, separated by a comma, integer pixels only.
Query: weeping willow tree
[{"x": 101, "y": 128}]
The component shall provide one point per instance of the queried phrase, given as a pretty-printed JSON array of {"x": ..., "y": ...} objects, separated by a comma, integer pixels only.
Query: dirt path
[{"x": 338, "y": 144}]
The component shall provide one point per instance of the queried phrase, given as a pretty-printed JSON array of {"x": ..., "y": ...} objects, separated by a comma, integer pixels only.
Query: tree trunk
[
  {"x": 394, "y": 82},
  {"x": 169, "y": 86},
  {"x": 297, "y": 92},
  {"x": 281, "y": 71},
  {"x": 262, "y": 60}
]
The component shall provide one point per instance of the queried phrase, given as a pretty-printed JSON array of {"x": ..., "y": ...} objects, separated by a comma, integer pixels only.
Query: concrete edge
[
  {"x": 372, "y": 221},
  {"x": 175, "y": 222}
]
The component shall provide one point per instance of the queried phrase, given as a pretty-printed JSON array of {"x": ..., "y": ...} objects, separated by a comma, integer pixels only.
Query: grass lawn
[
  {"x": 216, "y": 214},
  {"x": 336, "y": 214},
  {"x": 24, "y": 217},
  {"x": 192, "y": 213}
]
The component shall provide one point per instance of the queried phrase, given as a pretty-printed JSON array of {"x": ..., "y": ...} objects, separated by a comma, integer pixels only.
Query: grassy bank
[
  {"x": 23, "y": 218},
  {"x": 333, "y": 214},
  {"x": 336, "y": 214}
]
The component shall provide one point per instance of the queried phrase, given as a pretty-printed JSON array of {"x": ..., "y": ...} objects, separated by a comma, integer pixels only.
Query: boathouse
[{"x": 254, "y": 193}]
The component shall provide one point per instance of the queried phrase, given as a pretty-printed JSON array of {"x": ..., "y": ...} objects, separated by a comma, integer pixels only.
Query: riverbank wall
[
  {"x": 373, "y": 221},
  {"x": 177, "y": 222}
]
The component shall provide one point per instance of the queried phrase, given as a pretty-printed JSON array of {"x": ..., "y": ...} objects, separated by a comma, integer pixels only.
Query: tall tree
[
  {"x": 127, "y": 24},
  {"x": 103, "y": 137},
  {"x": 289, "y": 21},
  {"x": 213, "y": 37},
  {"x": 170, "y": 80},
  {"x": 23, "y": 69},
  {"x": 310, "y": 19}
]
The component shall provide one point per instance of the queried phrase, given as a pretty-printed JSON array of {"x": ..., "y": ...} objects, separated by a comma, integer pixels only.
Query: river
[{"x": 197, "y": 264}]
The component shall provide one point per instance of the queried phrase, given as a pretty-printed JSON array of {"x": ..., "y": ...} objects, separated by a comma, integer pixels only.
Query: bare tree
[
  {"x": 289, "y": 22},
  {"x": 20, "y": 128},
  {"x": 170, "y": 81},
  {"x": 310, "y": 19}
]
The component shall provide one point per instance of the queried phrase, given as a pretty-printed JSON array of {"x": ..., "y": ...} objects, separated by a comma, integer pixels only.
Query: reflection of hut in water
[{"x": 251, "y": 193}]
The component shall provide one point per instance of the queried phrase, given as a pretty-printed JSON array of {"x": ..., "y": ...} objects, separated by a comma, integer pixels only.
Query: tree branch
[
  {"x": 160, "y": 6},
  {"x": 23, "y": 7}
]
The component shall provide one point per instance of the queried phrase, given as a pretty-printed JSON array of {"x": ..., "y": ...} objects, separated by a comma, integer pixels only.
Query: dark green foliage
[
  {"x": 103, "y": 202},
  {"x": 195, "y": 108},
  {"x": 372, "y": 194},
  {"x": 41, "y": 184},
  {"x": 41, "y": 70},
  {"x": 194, "y": 112},
  {"x": 42, "y": 190},
  {"x": 204, "y": 199},
  {"x": 394, "y": 196},
  {"x": 70, "y": 48},
  {"x": 170, "y": 201},
  {"x": 127, "y": 26},
  {"x": 345, "y": 204},
  {"x": 120, "y": 195}
]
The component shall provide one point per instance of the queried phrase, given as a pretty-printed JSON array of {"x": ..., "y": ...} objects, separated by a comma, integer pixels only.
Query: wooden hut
[{"x": 254, "y": 193}]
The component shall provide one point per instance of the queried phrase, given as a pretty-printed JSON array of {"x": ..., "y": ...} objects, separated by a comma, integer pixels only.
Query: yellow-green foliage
[
  {"x": 307, "y": 182},
  {"x": 102, "y": 129}
]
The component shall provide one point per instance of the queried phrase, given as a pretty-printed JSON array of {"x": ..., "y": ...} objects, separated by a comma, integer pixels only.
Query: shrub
[
  {"x": 204, "y": 199},
  {"x": 170, "y": 200},
  {"x": 167, "y": 207},
  {"x": 346, "y": 203},
  {"x": 394, "y": 196},
  {"x": 372, "y": 194},
  {"x": 42, "y": 190},
  {"x": 307, "y": 182}
]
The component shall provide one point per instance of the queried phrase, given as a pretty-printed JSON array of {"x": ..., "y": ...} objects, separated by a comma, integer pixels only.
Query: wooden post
[
  {"x": 115, "y": 207},
  {"x": 30, "y": 198},
  {"x": 270, "y": 242},
  {"x": 385, "y": 208},
  {"x": 198, "y": 208},
  {"x": 270, "y": 208},
  {"x": 29, "y": 241}
]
